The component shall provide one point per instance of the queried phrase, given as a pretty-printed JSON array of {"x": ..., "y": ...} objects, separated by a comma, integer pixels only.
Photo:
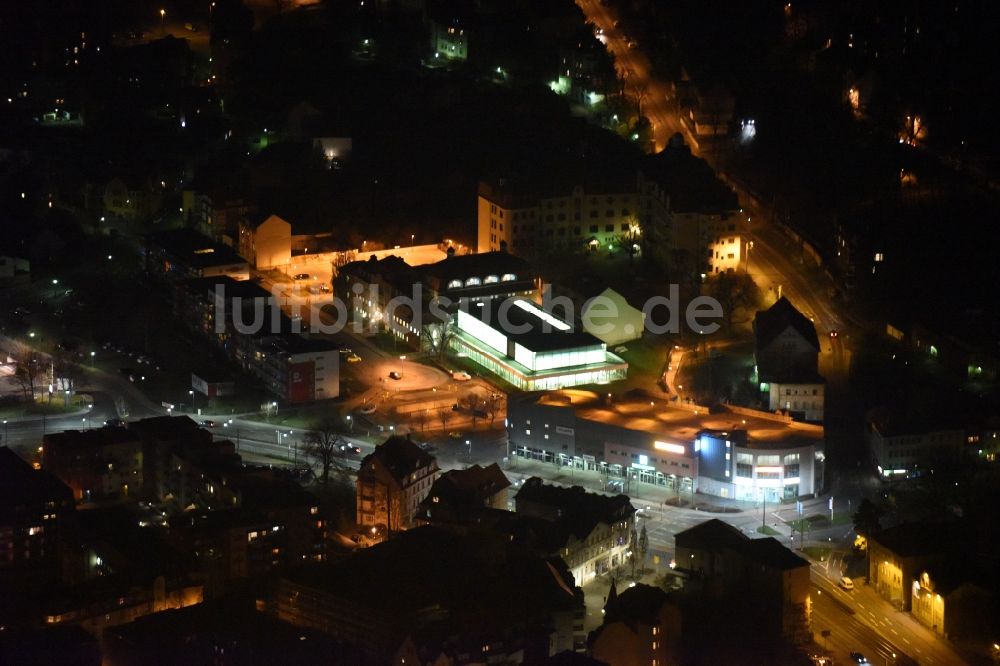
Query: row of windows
[
  {"x": 789, "y": 391},
  {"x": 577, "y": 231}
]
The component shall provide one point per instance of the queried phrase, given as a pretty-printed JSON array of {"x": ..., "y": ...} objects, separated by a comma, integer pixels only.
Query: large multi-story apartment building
[
  {"x": 97, "y": 464},
  {"x": 606, "y": 215},
  {"x": 243, "y": 319},
  {"x": 392, "y": 482},
  {"x": 371, "y": 288},
  {"x": 33, "y": 506},
  {"x": 593, "y": 529}
]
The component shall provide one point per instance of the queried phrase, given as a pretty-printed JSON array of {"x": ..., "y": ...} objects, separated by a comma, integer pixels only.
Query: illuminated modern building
[
  {"x": 740, "y": 454},
  {"x": 530, "y": 348}
]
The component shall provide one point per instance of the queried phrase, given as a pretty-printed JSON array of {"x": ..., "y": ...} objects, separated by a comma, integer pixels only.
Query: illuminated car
[
  {"x": 834, "y": 334},
  {"x": 455, "y": 434},
  {"x": 395, "y": 375},
  {"x": 353, "y": 358},
  {"x": 846, "y": 583},
  {"x": 367, "y": 409},
  {"x": 859, "y": 658}
]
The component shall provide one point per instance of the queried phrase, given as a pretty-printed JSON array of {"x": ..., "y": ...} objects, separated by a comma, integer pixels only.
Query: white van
[
  {"x": 460, "y": 376},
  {"x": 846, "y": 583}
]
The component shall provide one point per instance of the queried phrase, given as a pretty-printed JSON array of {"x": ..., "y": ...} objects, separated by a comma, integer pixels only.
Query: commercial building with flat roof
[
  {"x": 742, "y": 455},
  {"x": 532, "y": 349}
]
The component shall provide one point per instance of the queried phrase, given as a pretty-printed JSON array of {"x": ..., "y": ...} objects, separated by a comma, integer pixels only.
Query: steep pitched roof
[
  {"x": 713, "y": 534},
  {"x": 400, "y": 456},
  {"x": 770, "y": 323},
  {"x": 772, "y": 554}
]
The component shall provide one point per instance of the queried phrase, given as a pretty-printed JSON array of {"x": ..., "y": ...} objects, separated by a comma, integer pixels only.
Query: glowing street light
[{"x": 163, "y": 16}]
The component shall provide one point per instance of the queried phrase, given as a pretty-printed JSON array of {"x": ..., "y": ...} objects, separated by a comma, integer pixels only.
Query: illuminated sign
[
  {"x": 768, "y": 470},
  {"x": 669, "y": 448}
]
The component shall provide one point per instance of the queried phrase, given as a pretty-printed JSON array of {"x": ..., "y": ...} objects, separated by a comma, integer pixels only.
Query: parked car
[
  {"x": 353, "y": 358},
  {"x": 367, "y": 409},
  {"x": 395, "y": 375},
  {"x": 846, "y": 583},
  {"x": 301, "y": 276},
  {"x": 460, "y": 376}
]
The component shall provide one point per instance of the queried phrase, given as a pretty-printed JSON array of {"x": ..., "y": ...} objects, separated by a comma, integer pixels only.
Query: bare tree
[
  {"x": 65, "y": 368},
  {"x": 325, "y": 443},
  {"x": 492, "y": 404},
  {"x": 121, "y": 408},
  {"x": 640, "y": 90},
  {"x": 473, "y": 404},
  {"x": 439, "y": 336},
  {"x": 28, "y": 371},
  {"x": 420, "y": 418},
  {"x": 443, "y": 415}
]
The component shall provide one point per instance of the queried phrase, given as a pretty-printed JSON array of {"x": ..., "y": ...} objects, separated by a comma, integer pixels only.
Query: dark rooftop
[
  {"x": 712, "y": 533},
  {"x": 400, "y": 456},
  {"x": 90, "y": 438},
  {"x": 769, "y": 324},
  {"x": 715, "y": 534},
  {"x": 469, "y": 265},
  {"x": 769, "y": 552},
  {"x": 923, "y": 538},
  {"x": 22, "y": 485},
  {"x": 578, "y": 511},
  {"x": 192, "y": 249},
  {"x": 689, "y": 182},
  {"x": 297, "y": 344}
]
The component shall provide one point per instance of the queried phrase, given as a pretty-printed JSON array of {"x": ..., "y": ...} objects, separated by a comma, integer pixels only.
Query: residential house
[
  {"x": 898, "y": 556},
  {"x": 459, "y": 493},
  {"x": 594, "y": 529},
  {"x": 184, "y": 254},
  {"x": 433, "y": 596},
  {"x": 953, "y": 602},
  {"x": 33, "y": 508},
  {"x": 641, "y": 626},
  {"x": 727, "y": 563},
  {"x": 132, "y": 199},
  {"x": 787, "y": 356},
  {"x": 392, "y": 482},
  {"x": 265, "y": 243},
  {"x": 103, "y": 463}
]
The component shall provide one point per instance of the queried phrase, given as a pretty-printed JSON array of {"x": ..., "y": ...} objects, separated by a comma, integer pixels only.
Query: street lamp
[
  {"x": 92, "y": 354},
  {"x": 468, "y": 443},
  {"x": 350, "y": 423},
  {"x": 163, "y": 16}
]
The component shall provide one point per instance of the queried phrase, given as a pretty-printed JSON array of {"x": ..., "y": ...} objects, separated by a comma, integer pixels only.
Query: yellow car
[{"x": 353, "y": 358}]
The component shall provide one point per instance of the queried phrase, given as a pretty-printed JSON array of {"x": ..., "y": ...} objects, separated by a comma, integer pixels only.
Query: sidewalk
[{"x": 642, "y": 493}]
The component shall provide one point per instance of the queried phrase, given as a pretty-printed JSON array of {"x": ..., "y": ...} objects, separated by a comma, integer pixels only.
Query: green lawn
[{"x": 768, "y": 530}]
